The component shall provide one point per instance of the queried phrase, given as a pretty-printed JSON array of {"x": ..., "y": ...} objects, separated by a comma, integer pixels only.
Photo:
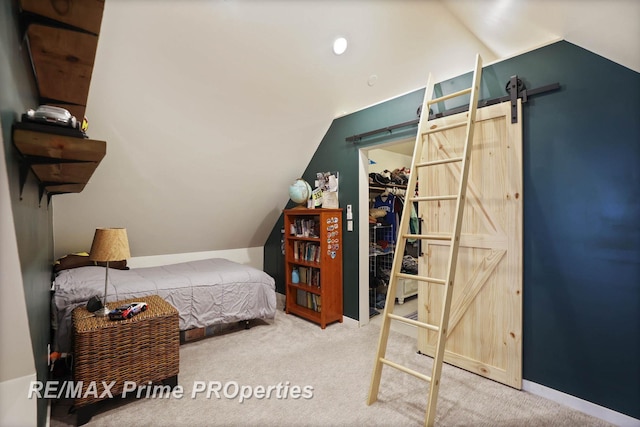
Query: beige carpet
[{"x": 337, "y": 363}]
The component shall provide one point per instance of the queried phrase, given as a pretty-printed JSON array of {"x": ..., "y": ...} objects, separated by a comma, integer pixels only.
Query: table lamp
[{"x": 109, "y": 244}]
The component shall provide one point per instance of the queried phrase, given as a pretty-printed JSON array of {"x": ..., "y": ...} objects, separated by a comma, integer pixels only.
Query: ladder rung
[
  {"x": 405, "y": 369},
  {"x": 439, "y": 162},
  {"x": 451, "y": 95},
  {"x": 443, "y": 128},
  {"x": 413, "y": 322},
  {"x": 433, "y": 198},
  {"x": 428, "y": 236},
  {"x": 421, "y": 278}
]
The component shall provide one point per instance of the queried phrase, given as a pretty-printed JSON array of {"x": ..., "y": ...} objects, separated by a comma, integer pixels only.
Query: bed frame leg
[
  {"x": 171, "y": 381},
  {"x": 84, "y": 414}
]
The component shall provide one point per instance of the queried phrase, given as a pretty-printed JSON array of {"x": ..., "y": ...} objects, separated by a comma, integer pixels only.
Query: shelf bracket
[
  {"x": 41, "y": 192},
  {"x": 25, "y": 166}
]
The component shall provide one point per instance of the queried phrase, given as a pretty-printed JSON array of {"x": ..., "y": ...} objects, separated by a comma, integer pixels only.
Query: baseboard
[
  {"x": 581, "y": 405},
  {"x": 280, "y": 301},
  {"x": 350, "y": 322}
]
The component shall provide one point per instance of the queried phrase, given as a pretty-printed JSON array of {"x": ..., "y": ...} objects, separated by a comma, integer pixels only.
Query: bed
[{"x": 206, "y": 292}]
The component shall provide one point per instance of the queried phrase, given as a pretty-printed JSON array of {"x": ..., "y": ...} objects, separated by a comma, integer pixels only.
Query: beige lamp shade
[{"x": 110, "y": 244}]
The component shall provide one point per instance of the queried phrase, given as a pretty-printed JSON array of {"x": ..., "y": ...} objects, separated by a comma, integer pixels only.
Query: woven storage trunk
[{"x": 141, "y": 349}]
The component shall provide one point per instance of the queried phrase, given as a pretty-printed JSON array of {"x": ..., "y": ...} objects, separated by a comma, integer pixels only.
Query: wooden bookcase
[{"x": 313, "y": 247}]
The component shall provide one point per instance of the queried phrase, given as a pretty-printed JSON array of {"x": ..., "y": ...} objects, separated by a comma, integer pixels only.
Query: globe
[{"x": 300, "y": 192}]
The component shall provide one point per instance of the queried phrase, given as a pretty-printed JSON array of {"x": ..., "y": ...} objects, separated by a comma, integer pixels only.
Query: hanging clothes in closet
[
  {"x": 386, "y": 202},
  {"x": 409, "y": 261},
  {"x": 399, "y": 205},
  {"x": 414, "y": 222}
]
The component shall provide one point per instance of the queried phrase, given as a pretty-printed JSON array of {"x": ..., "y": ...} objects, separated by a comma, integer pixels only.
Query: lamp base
[{"x": 103, "y": 312}]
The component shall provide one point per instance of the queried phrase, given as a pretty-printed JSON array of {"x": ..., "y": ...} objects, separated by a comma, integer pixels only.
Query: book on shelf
[
  {"x": 301, "y": 297},
  {"x": 306, "y": 251},
  {"x": 308, "y": 300},
  {"x": 309, "y": 276},
  {"x": 307, "y": 227}
]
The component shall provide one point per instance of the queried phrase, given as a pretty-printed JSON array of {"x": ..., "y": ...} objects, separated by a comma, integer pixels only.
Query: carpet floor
[
  {"x": 413, "y": 316},
  {"x": 301, "y": 375}
]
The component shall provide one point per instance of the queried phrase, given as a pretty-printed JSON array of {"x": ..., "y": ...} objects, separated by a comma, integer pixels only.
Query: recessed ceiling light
[{"x": 339, "y": 45}]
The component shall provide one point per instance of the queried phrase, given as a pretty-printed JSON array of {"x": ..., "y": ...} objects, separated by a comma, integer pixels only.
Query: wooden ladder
[{"x": 423, "y": 133}]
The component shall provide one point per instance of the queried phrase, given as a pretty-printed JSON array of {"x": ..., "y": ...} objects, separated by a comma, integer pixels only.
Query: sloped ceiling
[
  {"x": 210, "y": 109},
  {"x": 608, "y": 28}
]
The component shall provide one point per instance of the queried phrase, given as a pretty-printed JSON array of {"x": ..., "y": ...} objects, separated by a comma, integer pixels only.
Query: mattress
[{"x": 205, "y": 292}]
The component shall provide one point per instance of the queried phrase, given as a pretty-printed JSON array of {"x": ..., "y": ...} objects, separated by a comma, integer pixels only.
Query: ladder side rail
[
  {"x": 399, "y": 248},
  {"x": 453, "y": 251}
]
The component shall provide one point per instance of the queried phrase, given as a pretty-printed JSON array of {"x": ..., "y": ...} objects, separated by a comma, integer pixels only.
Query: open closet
[{"x": 388, "y": 175}]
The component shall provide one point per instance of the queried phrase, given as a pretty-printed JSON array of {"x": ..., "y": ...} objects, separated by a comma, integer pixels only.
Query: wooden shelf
[
  {"x": 62, "y": 62},
  {"x": 85, "y": 15},
  {"x": 62, "y": 40},
  {"x": 61, "y": 163},
  {"x": 382, "y": 187},
  {"x": 307, "y": 313},
  {"x": 308, "y": 239},
  {"x": 304, "y": 263},
  {"x": 305, "y": 287}
]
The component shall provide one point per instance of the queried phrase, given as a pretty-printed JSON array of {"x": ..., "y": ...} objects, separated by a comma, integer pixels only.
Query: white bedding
[{"x": 206, "y": 292}]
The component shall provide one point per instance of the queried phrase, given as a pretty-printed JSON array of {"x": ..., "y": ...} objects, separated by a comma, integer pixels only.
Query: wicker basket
[{"x": 142, "y": 349}]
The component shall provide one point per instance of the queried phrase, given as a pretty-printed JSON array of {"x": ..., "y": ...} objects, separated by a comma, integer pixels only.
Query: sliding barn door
[{"x": 485, "y": 327}]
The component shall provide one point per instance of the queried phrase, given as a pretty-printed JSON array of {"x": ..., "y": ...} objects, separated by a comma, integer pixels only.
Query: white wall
[
  {"x": 385, "y": 159},
  {"x": 210, "y": 109},
  {"x": 253, "y": 257}
]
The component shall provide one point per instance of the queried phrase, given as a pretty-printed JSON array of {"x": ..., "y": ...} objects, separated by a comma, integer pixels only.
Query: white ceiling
[
  {"x": 610, "y": 28},
  {"x": 210, "y": 109}
]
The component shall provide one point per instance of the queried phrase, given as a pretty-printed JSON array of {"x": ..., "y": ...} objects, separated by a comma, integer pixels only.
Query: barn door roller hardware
[
  {"x": 516, "y": 89},
  {"x": 514, "y": 82}
]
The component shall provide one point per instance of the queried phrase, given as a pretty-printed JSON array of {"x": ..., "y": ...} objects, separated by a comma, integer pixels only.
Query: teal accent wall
[
  {"x": 581, "y": 245},
  {"x": 582, "y": 228},
  {"x": 33, "y": 223},
  {"x": 581, "y": 223}
]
